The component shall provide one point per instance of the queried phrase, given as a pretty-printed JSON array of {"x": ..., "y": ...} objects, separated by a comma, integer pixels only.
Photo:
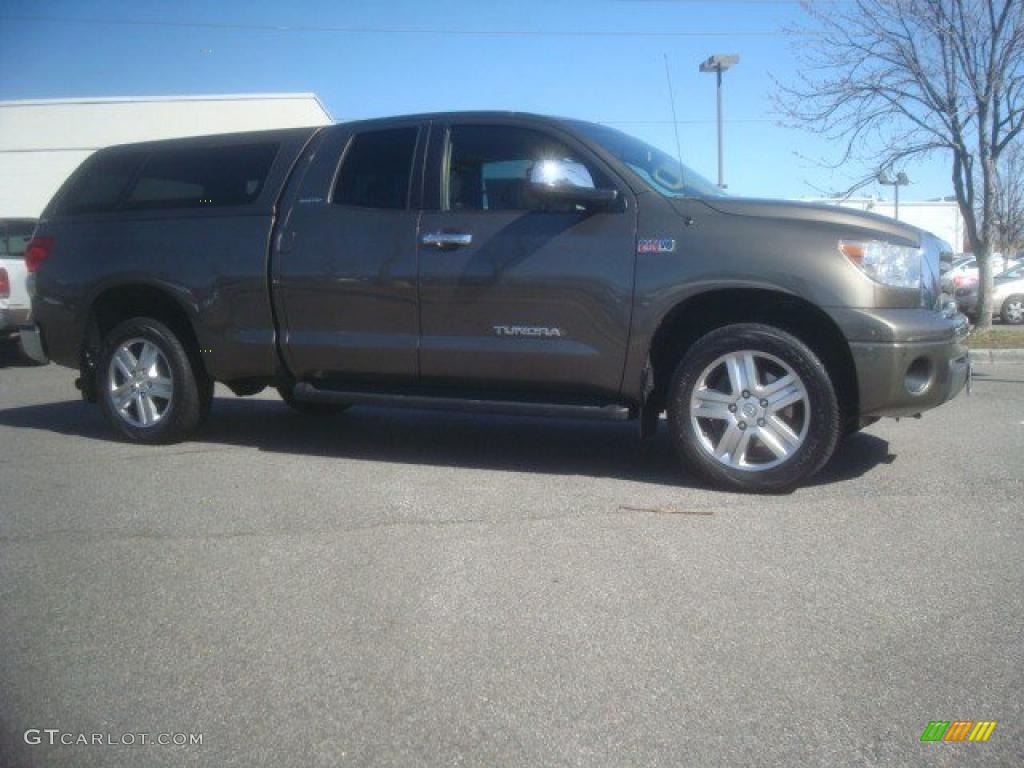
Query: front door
[
  {"x": 346, "y": 272},
  {"x": 518, "y": 292}
]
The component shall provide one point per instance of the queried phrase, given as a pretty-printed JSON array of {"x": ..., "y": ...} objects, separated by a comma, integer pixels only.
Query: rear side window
[
  {"x": 98, "y": 186},
  {"x": 376, "y": 170},
  {"x": 202, "y": 177}
]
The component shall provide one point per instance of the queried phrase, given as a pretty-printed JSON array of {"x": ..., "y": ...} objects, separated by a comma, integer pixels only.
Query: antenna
[{"x": 675, "y": 122}]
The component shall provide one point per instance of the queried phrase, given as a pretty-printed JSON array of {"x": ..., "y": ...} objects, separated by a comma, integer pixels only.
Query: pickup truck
[
  {"x": 500, "y": 262},
  {"x": 15, "y": 305}
]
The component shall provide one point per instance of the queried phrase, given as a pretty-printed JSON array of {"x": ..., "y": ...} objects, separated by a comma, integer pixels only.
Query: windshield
[
  {"x": 1013, "y": 273},
  {"x": 14, "y": 240},
  {"x": 659, "y": 169}
]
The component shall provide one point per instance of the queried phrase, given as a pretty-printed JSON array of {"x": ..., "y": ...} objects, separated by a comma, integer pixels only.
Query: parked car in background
[
  {"x": 955, "y": 261},
  {"x": 962, "y": 273},
  {"x": 947, "y": 257},
  {"x": 1007, "y": 296},
  {"x": 15, "y": 304},
  {"x": 493, "y": 262}
]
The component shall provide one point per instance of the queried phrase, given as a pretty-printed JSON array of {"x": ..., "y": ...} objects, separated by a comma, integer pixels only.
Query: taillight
[
  {"x": 38, "y": 251},
  {"x": 5, "y": 284}
]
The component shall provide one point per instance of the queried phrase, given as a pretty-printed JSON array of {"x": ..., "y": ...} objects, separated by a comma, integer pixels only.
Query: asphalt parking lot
[{"x": 407, "y": 588}]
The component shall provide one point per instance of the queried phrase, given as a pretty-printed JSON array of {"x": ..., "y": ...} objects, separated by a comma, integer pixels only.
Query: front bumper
[{"x": 907, "y": 360}]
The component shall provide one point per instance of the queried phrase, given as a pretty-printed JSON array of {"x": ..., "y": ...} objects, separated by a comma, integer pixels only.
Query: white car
[
  {"x": 15, "y": 304},
  {"x": 966, "y": 271}
]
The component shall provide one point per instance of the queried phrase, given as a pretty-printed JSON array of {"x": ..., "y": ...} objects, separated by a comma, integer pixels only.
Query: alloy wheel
[
  {"x": 1015, "y": 311},
  {"x": 141, "y": 387},
  {"x": 750, "y": 410}
]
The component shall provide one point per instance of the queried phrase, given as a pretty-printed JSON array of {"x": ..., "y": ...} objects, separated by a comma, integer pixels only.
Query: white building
[
  {"x": 42, "y": 141},
  {"x": 940, "y": 217}
]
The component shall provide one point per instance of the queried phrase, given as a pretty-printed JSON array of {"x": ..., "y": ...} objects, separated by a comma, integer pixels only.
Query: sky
[{"x": 601, "y": 60}]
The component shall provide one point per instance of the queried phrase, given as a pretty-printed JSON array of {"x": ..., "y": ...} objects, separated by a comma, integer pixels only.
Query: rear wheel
[
  {"x": 322, "y": 409},
  {"x": 147, "y": 384},
  {"x": 1013, "y": 310},
  {"x": 752, "y": 408}
]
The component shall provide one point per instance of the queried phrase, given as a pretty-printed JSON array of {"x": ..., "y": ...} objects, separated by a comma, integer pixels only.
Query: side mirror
[{"x": 570, "y": 181}]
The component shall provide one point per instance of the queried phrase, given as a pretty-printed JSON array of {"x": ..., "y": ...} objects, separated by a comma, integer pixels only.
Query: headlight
[{"x": 896, "y": 265}]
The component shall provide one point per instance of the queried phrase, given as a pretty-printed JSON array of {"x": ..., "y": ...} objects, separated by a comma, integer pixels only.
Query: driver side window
[{"x": 489, "y": 169}]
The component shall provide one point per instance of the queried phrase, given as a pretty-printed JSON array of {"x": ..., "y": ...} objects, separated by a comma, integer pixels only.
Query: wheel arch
[
  {"x": 116, "y": 303},
  {"x": 691, "y": 318}
]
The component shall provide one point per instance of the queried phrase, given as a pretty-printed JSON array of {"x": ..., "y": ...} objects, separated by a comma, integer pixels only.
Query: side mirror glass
[{"x": 571, "y": 181}]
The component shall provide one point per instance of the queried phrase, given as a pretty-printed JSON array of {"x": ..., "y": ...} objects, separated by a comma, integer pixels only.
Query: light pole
[
  {"x": 901, "y": 180},
  {"x": 718, "y": 64}
]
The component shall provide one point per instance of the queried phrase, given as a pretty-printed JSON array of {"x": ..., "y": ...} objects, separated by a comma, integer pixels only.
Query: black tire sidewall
[
  {"x": 825, "y": 420},
  {"x": 186, "y": 410}
]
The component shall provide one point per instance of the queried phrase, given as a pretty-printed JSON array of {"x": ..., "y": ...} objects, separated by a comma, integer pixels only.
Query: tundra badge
[{"x": 527, "y": 330}]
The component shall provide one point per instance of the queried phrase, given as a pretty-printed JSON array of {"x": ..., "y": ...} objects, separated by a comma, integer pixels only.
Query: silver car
[{"x": 1008, "y": 298}]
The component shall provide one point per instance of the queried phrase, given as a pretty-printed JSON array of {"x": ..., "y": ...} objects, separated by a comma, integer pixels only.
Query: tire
[
  {"x": 309, "y": 409},
  {"x": 166, "y": 400},
  {"x": 794, "y": 423},
  {"x": 1012, "y": 312}
]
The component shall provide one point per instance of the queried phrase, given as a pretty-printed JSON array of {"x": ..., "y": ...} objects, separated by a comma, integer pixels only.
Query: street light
[
  {"x": 718, "y": 64},
  {"x": 901, "y": 180}
]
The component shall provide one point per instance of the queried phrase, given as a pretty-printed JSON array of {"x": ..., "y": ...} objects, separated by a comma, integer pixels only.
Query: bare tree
[
  {"x": 1010, "y": 201},
  {"x": 897, "y": 79}
]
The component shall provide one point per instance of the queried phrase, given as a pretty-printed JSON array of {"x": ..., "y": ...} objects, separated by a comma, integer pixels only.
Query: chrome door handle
[{"x": 447, "y": 239}]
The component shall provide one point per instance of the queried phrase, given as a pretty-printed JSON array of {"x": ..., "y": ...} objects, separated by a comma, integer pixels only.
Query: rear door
[
  {"x": 517, "y": 292},
  {"x": 345, "y": 270}
]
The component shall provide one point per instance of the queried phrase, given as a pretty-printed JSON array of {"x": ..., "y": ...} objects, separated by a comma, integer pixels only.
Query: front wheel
[
  {"x": 1013, "y": 310},
  {"x": 752, "y": 408},
  {"x": 147, "y": 384}
]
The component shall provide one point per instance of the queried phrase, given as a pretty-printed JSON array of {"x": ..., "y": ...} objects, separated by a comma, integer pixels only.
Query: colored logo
[
  {"x": 656, "y": 246},
  {"x": 958, "y": 730}
]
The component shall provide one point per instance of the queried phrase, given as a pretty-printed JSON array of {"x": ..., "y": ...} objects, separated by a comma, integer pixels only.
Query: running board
[{"x": 606, "y": 412}]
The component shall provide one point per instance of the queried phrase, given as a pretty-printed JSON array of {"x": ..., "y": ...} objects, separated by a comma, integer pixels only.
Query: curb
[{"x": 997, "y": 355}]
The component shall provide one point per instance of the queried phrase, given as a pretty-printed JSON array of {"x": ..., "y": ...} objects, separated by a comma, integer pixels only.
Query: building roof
[
  {"x": 175, "y": 97},
  {"x": 87, "y": 124}
]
